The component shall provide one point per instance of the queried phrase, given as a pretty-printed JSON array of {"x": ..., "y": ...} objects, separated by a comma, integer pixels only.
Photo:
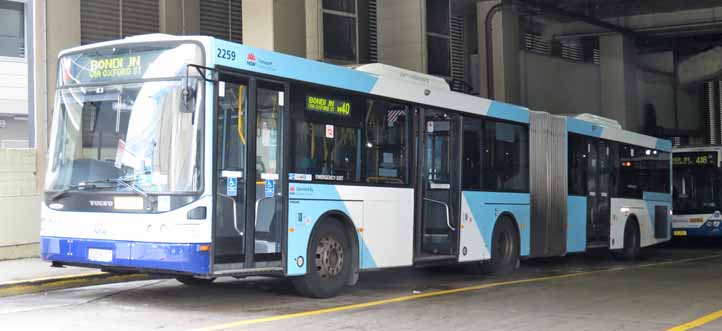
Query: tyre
[
  {"x": 194, "y": 281},
  {"x": 504, "y": 249},
  {"x": 631, "y": 249},
  {"x": 329, "y": 260}
]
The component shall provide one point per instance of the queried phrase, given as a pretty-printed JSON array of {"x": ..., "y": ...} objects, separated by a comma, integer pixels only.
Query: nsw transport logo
[{"x": 251, "y": 59}]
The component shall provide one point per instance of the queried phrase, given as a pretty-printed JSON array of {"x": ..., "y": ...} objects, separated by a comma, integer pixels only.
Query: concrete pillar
[
  {"x": 618, "y": 73},
  {"x": 505, "y": 52},
  {"x": 401, "y": 33},
  {"x": 277, "y": 25},
  {"x": 57, "y": 27},
  {"x": 180, "y": 17}
]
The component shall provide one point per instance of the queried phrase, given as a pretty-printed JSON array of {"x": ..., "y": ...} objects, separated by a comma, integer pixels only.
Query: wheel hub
[{"x": 329, "y": 257}]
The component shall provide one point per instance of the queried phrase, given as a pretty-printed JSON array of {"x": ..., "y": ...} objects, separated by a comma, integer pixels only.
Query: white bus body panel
[{"x": 169, "y": 227}]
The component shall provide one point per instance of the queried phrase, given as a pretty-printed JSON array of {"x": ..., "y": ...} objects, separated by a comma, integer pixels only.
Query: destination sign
[
  {"x": 328, "y": 106},
  {"x": 128, "y": 66},
  {"x": 127, "y": 63},
  {"x": 695, "y": 159}
]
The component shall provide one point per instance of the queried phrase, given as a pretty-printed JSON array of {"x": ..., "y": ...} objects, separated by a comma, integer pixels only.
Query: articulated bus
[
  {"x": 697, "y": 183},
  {"x": 199, "y": 158}
]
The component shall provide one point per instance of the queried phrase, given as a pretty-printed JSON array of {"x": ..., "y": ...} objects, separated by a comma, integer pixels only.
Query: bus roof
[{"x": 381, "y": 80}]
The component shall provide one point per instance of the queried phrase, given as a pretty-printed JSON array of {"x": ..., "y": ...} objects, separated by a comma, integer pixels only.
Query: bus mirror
[{"x": 188, "y": 96}]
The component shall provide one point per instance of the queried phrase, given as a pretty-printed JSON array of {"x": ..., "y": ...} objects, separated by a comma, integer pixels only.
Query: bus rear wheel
[
  {"x": 329, "y": 262},
  {"x": 195, "y": 281},
  {"x": 504, "y": 249},
  {"x": 631, "y": 249}
]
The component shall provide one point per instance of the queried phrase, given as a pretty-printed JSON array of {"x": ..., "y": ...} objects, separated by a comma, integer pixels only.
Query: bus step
[
  {"x": 430, "y": 260},
  {"x": 598, "y": 244}
]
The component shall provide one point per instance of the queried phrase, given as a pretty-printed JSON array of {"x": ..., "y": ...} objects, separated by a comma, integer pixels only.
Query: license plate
[
  {"x": 100, "y": 255},
  {"x": 680, "y": 233}
]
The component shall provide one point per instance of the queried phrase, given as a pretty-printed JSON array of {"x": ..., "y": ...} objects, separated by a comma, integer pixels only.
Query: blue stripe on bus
[
  {"x": 508, "y": 112},
  {"x": 703, "y": 231},
  {"x": 288, "y": 66},
  {"x": 582, "y": 127},
  {"x": 307, "y": 203},
  {"x": 576, "y": 223},
  {"x": 653, "y": 199},
  {"x": 486, "y": 207},
  {"x": 664, "y": 145},
  {"x": 654, "y": 196},
  {"x": 132, "y": 254}
]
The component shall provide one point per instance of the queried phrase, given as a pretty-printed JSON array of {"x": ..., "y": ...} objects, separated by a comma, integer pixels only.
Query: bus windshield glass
[
  {"x": 127, "y": 127},
  {"x": 697, "y": 182}
]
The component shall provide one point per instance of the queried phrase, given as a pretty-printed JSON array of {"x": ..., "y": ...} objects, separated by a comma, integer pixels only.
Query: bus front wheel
[
  {"x": 329, "y": 262},
  {"x": 504, "y": 249}
]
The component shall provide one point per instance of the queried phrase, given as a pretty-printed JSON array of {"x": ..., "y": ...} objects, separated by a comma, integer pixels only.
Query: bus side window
[
  {"x": 471, "y": 154},
  {"x": 386, "y": 135}
]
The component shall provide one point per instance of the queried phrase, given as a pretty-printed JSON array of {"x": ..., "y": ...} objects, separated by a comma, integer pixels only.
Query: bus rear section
[{"x": 697, "y": 198}]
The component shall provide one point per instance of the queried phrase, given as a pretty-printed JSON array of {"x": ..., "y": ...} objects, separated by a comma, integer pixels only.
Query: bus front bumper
[{"x": 133, "y": 255}]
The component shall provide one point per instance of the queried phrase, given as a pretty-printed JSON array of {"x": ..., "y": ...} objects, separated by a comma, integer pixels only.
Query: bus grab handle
[{"x": 446, "y": 207}]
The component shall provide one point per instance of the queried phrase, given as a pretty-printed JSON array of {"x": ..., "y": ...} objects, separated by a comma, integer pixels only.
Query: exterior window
[
  {"x": 12, "y": 29},
  {"x": 326, "y": 135},
  {"x": 506, "y": 157},
  {"x": 326, "y": 157},
  {"x": 642, "y": 170},
  {"x": 386, "y": 142},
  {"x": 438, "y": 38},
  {"x": 340, "y": 35},
  {"x": 222, "y": 19},
  {"x": 346, "y": 6},
  {"x": 102, "y": 20},
  {"x": 471, "y": 158}
]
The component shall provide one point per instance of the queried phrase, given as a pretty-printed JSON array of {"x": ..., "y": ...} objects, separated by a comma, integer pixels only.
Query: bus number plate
[
  {"x": 680, "y": 233},
  {"x": 100, "y": 255}
]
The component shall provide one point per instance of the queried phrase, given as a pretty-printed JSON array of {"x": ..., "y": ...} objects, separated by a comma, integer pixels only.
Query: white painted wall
[{"x": 19, "y": 203}]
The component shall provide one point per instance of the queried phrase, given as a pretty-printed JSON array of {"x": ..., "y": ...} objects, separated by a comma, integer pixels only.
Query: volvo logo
[{"x": 101, "y": 203}]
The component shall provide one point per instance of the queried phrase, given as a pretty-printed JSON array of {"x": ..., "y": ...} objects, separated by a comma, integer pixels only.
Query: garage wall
[
  {"x": 19, "y": 204},
  {"x": 559, "y": 86}
]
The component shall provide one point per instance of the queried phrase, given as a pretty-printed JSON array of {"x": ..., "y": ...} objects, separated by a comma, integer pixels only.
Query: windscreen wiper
[
  {"x": 81, "y": 185},
  {"x": 128, "y": 183}
]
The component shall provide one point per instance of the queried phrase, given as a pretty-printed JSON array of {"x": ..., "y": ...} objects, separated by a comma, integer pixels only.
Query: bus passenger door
[
  {"x": 248, "y": 222},
  {"x": 231, "y": 150},
  {"x": 438, "y": 186},
  {"x": 599, "y": 185}
]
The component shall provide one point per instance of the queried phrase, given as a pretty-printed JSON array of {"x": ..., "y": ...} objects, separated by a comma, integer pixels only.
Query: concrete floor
[{"x": 651, "y": 294}]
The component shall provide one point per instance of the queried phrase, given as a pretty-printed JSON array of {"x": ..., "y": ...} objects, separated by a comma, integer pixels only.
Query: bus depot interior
[{"x": 570, "y": 151}]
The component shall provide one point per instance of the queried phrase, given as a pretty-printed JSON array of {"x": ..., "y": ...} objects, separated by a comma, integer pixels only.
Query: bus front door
[
  {"x": 248, "y": 225},
  {"x": 438, "y": 186}
]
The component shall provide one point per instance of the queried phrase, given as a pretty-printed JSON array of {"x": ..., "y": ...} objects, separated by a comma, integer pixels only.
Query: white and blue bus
[
  {"x": 697, "y": 199},
  {"x": 200, "y": 158}
]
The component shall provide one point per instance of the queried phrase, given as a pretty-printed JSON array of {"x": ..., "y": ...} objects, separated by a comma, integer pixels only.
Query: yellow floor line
[
  {"x": 433, "y": 294},
  {"x": 698, "y": 322},
  {"x": 53, "y": 278},
  {"x": 68, "y": 282}
]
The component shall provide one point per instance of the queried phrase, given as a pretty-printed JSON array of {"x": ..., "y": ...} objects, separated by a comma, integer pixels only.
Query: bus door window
[
  {"x": 231, "y": 115},
  {"x": 270, "y": 101}
]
